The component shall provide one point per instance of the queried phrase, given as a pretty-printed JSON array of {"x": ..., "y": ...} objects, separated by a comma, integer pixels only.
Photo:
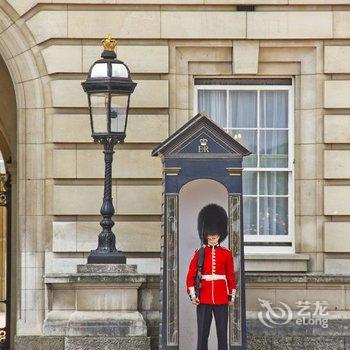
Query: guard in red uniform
[{"x": 218, "y": 284}]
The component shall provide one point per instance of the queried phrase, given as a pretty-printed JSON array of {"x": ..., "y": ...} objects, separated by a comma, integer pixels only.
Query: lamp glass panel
[
  {"x": 99, "y": 112},
  {"x": 99, "y": 70},
  {"x": 119, "y": 71},
  {"x": 119, "y": 105}
]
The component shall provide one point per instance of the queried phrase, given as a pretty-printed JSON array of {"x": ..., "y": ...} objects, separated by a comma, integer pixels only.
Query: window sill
[{"x": 276, "y": 262}]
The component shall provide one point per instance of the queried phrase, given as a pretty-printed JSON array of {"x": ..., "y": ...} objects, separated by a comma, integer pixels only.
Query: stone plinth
[{"x": 96, "y": 304}]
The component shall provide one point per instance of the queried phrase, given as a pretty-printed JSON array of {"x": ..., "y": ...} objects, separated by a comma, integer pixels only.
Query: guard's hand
[
  {"x": 231, "y": 302},
  {"x": 195, "y": 301}
]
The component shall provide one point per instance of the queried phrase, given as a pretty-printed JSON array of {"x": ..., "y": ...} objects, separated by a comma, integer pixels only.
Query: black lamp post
[{"x": 108, "y": 87}]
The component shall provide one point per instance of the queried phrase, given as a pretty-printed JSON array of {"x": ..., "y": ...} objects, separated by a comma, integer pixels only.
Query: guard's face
[{"x": 213, "y": 239}]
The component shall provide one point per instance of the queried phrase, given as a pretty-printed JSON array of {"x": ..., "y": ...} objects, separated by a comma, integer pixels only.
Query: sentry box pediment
[
  {"x": 202, "y": 164},
  {"x": 200, "y": 137},
  {"x": 201, "y": 149}
]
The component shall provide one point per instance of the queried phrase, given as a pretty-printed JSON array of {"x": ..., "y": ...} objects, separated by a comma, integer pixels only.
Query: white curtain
[
  {"x": 273, "y": 153},
  {"x": 273, "y": 211},
  {"x": 243, "y": 114},
  {"x": 265, "y": 205},
  {"x": 213, "y": 102}
]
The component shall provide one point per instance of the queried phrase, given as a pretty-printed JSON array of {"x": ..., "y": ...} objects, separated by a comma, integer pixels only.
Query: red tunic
[{"x": 219, "y": 261}]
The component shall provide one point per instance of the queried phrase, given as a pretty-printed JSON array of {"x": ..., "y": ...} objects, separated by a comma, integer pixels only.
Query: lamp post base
[{"x": 97, "y": 257}]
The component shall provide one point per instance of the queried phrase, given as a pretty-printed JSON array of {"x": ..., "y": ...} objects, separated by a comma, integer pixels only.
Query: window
[{"x": 259, "y": 116}]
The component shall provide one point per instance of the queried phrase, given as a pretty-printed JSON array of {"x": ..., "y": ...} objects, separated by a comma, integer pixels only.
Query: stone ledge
[
  {"x": 276, "y": 256},
  {"x": 250, "y": 277},
  {"x": 276, "y": 277},
  {"x": 107, "y": 268},
  {"x": 314, "y": 277},
  {"x": 152, "y": 278},
  {"x": 103, "y": 278},
  {"x": 276, "y": 262},
  {"x": 254, "y": 277}
]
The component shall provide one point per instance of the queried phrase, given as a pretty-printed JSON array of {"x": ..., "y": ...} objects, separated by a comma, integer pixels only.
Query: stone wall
[
  {"x": 287, "y": 288},
  {"x": 48, "y": 46}
]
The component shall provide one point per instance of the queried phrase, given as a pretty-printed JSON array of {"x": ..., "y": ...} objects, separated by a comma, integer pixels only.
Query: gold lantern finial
[{"x": 109, "y": 44}]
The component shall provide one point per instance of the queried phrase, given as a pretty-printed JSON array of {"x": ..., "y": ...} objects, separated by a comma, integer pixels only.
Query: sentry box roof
[{"x": 200, "y": 137}]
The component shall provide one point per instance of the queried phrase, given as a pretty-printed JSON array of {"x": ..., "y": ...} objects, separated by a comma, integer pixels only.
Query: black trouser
[{"x": 204, "y": 317}]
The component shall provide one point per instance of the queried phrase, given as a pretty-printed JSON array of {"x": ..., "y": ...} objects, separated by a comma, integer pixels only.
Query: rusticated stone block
[
  {"x": 259, "y": 343},
  {"x": 52, "y": 343},
  {"x": 336, "y": 93},
  {"x": 107, "y": 343},
  {"x": 289, "y": 25},
  {"x": 310, "y": 343},
  {"x": 27, "y": 342},
  {"x": 335, "y": 128},
  {"x": 336, "y": 200},
  {"x": 39, "y": 343},
  {"x": 346, "y": 343}
]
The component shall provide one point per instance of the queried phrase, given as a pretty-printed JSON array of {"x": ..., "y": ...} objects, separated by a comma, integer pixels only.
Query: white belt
[{"x": 213, "y": 277}]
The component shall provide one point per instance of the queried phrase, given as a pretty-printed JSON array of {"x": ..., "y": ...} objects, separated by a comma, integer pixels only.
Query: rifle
[
  {"x": 199, "y": 270},
  {"x": 200, "y": 265}
]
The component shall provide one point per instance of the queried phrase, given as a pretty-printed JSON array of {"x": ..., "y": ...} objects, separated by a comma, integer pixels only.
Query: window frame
[{"x": 267, "y": 243}]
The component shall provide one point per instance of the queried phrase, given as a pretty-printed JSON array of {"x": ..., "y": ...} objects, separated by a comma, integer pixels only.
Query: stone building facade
[{"x": 57, "y": 173}]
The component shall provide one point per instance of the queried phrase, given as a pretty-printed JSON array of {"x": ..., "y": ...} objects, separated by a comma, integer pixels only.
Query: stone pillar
[{"x": 96, "y": 308}]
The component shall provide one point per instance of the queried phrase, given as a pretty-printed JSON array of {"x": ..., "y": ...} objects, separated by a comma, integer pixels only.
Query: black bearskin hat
[{"x": 212, "y": 219}]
